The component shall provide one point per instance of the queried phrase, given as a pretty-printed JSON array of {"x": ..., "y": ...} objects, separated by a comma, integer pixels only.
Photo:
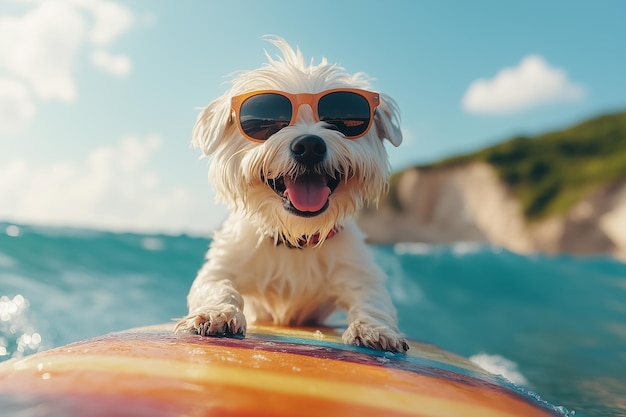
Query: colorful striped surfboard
[{"x": 272, "y": 372}]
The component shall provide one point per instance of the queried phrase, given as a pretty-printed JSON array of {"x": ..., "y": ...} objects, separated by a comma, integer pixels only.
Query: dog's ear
[
  {"x": 211, "y": 125},
  {"x": 387, "y": 120}
]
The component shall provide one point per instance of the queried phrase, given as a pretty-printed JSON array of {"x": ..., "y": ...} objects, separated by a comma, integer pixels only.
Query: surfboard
[{"x": 273, "y": 371}]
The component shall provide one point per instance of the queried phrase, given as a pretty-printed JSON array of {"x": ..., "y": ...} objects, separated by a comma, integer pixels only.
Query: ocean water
[{"x": 555, "y": 325}]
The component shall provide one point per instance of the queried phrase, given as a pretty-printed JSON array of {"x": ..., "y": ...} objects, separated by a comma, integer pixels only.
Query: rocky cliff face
[{"x": 470, "y": 203}]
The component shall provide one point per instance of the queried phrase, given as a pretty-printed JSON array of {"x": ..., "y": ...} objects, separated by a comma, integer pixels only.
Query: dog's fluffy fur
[{"x": 252, "y": 261}]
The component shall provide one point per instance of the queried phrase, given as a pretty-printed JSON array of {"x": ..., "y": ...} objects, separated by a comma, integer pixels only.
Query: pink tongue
[{"x": 308, "y": 192}]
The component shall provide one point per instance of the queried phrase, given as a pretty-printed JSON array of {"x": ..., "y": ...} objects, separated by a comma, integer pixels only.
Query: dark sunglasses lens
[
  {"x": 264, "y": 114},
  {"x": 346, "y": 112}
]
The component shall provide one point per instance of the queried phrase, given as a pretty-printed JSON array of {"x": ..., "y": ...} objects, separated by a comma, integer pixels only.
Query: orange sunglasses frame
[{"x": 299, "y": 99}]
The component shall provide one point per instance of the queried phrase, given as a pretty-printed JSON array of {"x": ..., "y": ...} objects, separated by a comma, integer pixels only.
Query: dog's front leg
[
  {"x": 373, "y": 327},
  {"x": 372, "y": 320},
  {"x": 215, "y": 306}
]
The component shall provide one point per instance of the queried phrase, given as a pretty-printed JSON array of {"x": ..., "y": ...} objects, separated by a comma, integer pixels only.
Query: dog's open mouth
[{"x": 307, "y": 194}]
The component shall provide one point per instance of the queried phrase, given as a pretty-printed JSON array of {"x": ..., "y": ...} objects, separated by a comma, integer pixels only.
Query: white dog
[{"x": 296, "y": 150}]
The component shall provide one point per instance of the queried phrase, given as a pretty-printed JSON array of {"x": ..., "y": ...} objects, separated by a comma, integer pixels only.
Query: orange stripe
[
  {"x": 170, "y": 397},
  {"x": 310, "y": 380},
  {"x": 321, "y": 368}
]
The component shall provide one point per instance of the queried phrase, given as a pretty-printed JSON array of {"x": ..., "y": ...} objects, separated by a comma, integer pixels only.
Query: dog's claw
[
  {"x": 213, "y": 324},
  {"x": 405, "y": 345},
  {"x": 375, "y": 337}
]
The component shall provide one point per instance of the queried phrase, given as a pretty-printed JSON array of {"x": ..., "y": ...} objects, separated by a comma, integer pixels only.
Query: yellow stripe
[{"x": 381, "y": 398}]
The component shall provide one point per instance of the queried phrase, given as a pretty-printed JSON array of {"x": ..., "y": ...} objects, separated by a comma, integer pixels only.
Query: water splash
[
  {"x": 17, "y": 336},
  {"x": 499, "y": 365},
  {"x": 508, "y": 372}
]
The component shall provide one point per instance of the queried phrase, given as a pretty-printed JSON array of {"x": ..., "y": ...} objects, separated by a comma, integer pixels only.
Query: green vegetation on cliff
[{"x": 550, "y": 173}]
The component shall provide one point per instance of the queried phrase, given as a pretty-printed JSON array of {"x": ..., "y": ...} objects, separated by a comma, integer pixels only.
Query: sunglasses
[{"x": 260, "y": 114}]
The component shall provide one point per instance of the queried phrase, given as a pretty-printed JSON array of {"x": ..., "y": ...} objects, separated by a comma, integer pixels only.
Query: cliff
[{"x": 562, "y": 192}]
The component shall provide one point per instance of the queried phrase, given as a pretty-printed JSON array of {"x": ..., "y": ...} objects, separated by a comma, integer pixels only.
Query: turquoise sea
[{"x": 554, "y": 324}]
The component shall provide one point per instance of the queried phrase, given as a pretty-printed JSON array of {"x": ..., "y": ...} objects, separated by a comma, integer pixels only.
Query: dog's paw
[
  {"x": 375, "y": 337},
  {"x": 214, "y": 323}
]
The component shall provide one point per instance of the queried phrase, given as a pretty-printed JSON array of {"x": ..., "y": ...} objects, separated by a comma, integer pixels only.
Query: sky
[{"x": 98, "y": 97}]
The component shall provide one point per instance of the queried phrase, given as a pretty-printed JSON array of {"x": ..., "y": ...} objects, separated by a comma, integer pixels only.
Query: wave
[{"x": 557, "y": 320}]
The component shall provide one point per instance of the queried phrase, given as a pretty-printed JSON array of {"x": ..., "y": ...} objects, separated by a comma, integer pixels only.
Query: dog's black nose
[{"x": 308, "y": 149}]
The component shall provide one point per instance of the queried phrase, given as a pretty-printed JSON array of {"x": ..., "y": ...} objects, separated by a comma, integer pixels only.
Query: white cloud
[
  {"x": 111, "y": 20},
  {"x": 114, "y": 188},
  {"x": 41, "y": 48},
  {"x": 16, "y": 106},
  {"x": 532, "y": 83},
  {"x": 12, "y": 175},
  {"x": 119, "y": 65}
]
